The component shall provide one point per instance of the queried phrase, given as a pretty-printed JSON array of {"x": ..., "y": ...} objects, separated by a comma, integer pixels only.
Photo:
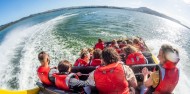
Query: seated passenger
[
  {"x": 44, "y": 71},
  {"x": 90, "y": 50},
  {"x": 138, "y": 44},
  {"x": 115, "y": 45},
  {"x": 133, "y": 57},
  {"x": 96, "y": 58},
  {"x": 124, "y": 43},
  {"x": 65, "y": 80},
  {"x": 164, "y": 80},
  {"x": 99, "y": 45},
  {"x": 84, "y": 59},
  {"x": 114, "y": 77}
]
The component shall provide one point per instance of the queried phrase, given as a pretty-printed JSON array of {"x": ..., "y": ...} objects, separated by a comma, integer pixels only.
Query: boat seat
[
  {"x": 148, "y": 57},
  {"x": 137, "y": 69},
  {"x": 83, "y": 70},
  {"x": 147, "y": 54},
  {"x": 150, "y": 60}
]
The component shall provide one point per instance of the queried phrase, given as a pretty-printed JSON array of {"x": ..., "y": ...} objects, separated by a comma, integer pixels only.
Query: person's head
[
  {"x": 97, "y": 54},
  {"x": 100, "y": 40},
  {"x": 90, "y": 50},
  {"x": 85, "y": 55},
  {"x": 124, "y": 42},
  {"x": 129, "y": 49},
  {"x": 64, "y": 66},
  {"x": 110, "y": 55},
  {"x": 43, "y": 57},
  {"x": 136, "y": 41},
  {"x": 83, "y": 50},
  {"x": 168, "y": 53},
  {"x": 129, "y": 42},
  {"x": 114, "y": 41}
]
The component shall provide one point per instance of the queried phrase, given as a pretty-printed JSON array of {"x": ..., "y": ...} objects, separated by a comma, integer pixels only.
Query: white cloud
[{"x": 187, "y": 1}]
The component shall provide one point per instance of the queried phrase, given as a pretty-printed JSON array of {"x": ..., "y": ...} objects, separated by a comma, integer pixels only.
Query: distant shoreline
[{"x": 140, "y": 9}]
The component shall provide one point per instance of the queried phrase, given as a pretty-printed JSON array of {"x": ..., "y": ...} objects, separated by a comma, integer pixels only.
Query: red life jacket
[
  {"x": 168, "y": 79},
  {"x": 62, "y": 81},
  {"x": 135, "y": 58},
  {"x": 95, "y": 62},
  {"x": 80, "y": 62},
  {"x": 99, "y": 45},
  {"x": 111, "y": 79},
  {"x": 43, "y": 74}
]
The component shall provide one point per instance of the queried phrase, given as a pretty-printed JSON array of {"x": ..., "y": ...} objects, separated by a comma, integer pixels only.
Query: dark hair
[
  {"x": 41, "y": 56},
  {"x": 97, "y": 53},
  {"x": 129, "y": 42},
  {"x": 136, "y": 41},
  {"x": 64, "y": 66},
  {"x": 110, "y": 55},
  {"x": 114, "y": 41},
  {"x": 99, "y": 40},
  {"x": 124, "y": 42}
]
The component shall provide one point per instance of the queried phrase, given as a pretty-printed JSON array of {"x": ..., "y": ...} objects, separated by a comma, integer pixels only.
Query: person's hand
[
  {"x": 145, "y": 71},
  {"x": 79, "y": 74},
  {"x": 132, "y": 90}
]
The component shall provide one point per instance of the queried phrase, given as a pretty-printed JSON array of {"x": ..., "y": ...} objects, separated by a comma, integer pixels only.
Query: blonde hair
[
  {"x": 90, "y": 50},
  {"x": 129, "y": 49}
]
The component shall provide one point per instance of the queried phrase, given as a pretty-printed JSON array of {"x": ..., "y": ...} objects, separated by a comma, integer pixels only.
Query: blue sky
[{"x": 11, "y": 10}]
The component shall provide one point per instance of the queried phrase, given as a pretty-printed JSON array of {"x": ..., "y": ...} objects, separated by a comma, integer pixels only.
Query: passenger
[
  {"x": 138, "y": 45},
  {"x": 99, "y": 45},
  {"x": 124, "y": 43},
  {"x": 96, "y": 59},
  {"x": 90, "y": 50},
  {"x": 84, "y": 59},
  {"x": 66, "y": 80},
  {"x": 44, "y": 71},
  {"x": 83, "y": 50},
  {"x": 165, "y": 80},
  {"x": 133, "y": 57},
  {"x": 115, "y": 45},
  {"x": 114, "y": 77},
  {"x": 129, "y": 42}
]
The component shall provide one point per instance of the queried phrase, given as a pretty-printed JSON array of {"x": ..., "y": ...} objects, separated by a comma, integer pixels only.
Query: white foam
[
  {"x": 41, "y": 40},
  {"x": 32, "y": 40},
  {"x": 7, "y": 48}
]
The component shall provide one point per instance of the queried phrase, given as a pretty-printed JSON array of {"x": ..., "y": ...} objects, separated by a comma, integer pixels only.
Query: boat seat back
[
  {"x": 137, "y": 69},
  {"x": 83, "y": 70}
]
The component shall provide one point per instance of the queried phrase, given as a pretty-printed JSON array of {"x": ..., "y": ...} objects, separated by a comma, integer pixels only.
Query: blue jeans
[{"x": 143, "y": 89}]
